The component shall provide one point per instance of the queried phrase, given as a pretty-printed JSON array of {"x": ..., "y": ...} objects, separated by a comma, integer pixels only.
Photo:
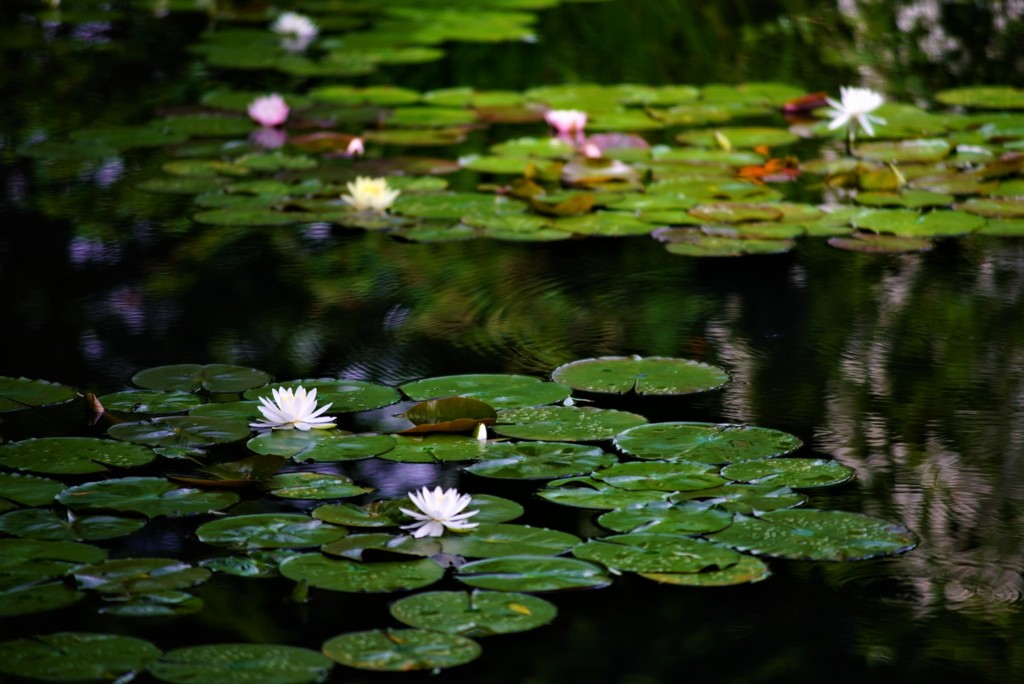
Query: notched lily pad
[
  {"x": 657, "y": 553},
  {"x": 498, "y": 390},
  {"x": 532, "y": 573},
  {"x": 76, "y": 657},
  {"x": 241, "y": 664},
  {"x": 190, "y": 377},
  {"x": 791, "y": 472},
  {"x": 17, "y": 394},
  {"x": 565, "y": 423},
  {"x": 539, "y": 460},
  {"x": 150, "y": 496},
  {"x": 268, "y": 531},
  {"x": 72, "y": 455},
  {"x": 474, "y": 614},
  {"x": 401, "y": 650},
  {"x": 651, "y": 375},
  {"x": 705, "y": 442},
  {"x": 322, "y": 572}
]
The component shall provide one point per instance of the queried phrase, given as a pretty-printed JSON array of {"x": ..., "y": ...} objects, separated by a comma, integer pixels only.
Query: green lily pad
[
  {"x": 566, "y": 423},
  {"x": 155, "y": 604},
  {"x": 700, "y": 245},
  {"x": 45, "y": 524},
  {"x": 542, "y": 148},
  {"x": 28, "y": 490},
  {"x": 72, "y": 455},
  {"x": 22, "y": 393},
  {"x": 25, "y": 599},
  {"x": 664, "y": 476},
  {"x": 605, "y": 223},
  {"x": 657, "y": 553},
  {"x": 651, "y": 375},
  {"x": 983, "y": 97},
  {"x": 426, "y": 117},
  {"x": 513, "y": 166},
  {"x": 492, "y": 509},
  {"x": 417, "y": 137},
  {"x": 452, "y": 206},
  {"x": 739, "y": 136},
  {"x": 498, "y": 390},
  {"x": 253, "y": 564},
  {"x": 321, "y": 446},
  {"x": 241, "y": 664},
  {"x": 911, "y": 199},
  {"x": 998, "y": 228},
  {"x": 143, "y": 401},
  {"x": 663, "y": 517},
  {"x": 308, "y": 485},
  {"x": 150, "y": 496},
  {"x": 139, "y": 576},
  {"x": 373, "y": 95},
  {"x": 401, "y": 650},
  {"x": 1010, "y": 208},
  {"x": 354, "y": 546},
  {"x": 881, "y": 244},
  {"x": 491, "y": 541},
  {"x": 433, "y": 449},
  {"x": 343, "y": 395},
  {"x": 448, "y": 414},
  {"x": 474, "y": 614},
  {"x": 253, "y": 216},
  {"x": 817, "y": 535},
  {"x": 13, "y": 551},
  {"x": 76, "y": 657},
  {"x": 745, "y": 498},
  {"x": 909, "y": 223},
  {"x": 918, "y": 151},
  {"x": 241, "y": 473},
  {"x": 190, "y": 377},
  {"x": 181, "y": 431},
  {"x": 586, "y": 492},
  {"x": 268, "y": 531},
  {"x": 532, "y": 573},
  {"x": 748, "y": 570},
  {"x": 792, "y": 472},
  {"x": 705, "y": 442},
  {"x": 322, "y": 572},
  {"x": 539, "y": 460}
]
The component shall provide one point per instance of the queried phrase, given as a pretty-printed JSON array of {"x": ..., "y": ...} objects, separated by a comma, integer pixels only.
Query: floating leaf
[
  {"x": 433, "y": 449},
  {"x": 241, "y": 664},
  {"x": 306, "y": 485},
  {"x": 72, "y": 455},
  {"x": 748, "y": 570},
  {"x": 181, "y": 431},
  {"x": 45, "y": 524},
  {"x": 651, "y": 375},
  {"x": 190, "y": 377},
  {"x": 705, "y": 442},
  {"x": 155, "y": 604},
  {"x": 586, "y": 492},
  {"x": 817, "y": 535},
  {"x": 450, "y": 414},
  {"x": 567, "y": 423},
  {"x": 76, "y": 657},
  {"x": 321, "y": 446},
  {"x": 490, "y": 541},
  {"x": 792, "y": 472},
  {"x": 241, "y": 473},
  {"x": 745, "y": 498},
  {"x": 142, "y": 401},
  {"x": 474, "y": 614},
  {"x": 28, "y": 490},
  {"x": 401, "y": 650},
  {"x": 139, "y": 576},
  {"x": 268, "y": 531},
  {"x": 660, "y": 476},
  {"x": 150, "y": 496},
  {"x": 539, "y": 460},
  {"x": 663, "y": 517},
  {"x": 532, "y": 573},
  {"x": 24, "y": 599},
  {"x": 885, "y": 244},
  {"x": 909, "y": 223},
  {"x": 21, "y": 393},
  {"x": 657, "y": 553},
  {"x": 983, "y": 97},
  {"x": 321, "y": 572},
  {"x": 498, "y": 390},
  {"x": 343, "y": 395}
]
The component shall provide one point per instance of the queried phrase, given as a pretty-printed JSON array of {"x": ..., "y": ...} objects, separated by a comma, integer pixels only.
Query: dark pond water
[{"x": 907, "y": 368}]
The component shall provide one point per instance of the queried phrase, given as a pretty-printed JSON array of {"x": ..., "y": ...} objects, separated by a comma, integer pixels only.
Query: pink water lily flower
[
  {"x": 355, "y": 148},
  {"x": 269, "y": 110},
  {"x": 568, "y": 123}
]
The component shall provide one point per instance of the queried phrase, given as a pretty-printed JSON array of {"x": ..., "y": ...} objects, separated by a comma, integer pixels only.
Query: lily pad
[
  {"x": 401, "y": 650},
  {"x": 474, "y": 614},
  {"x": 909, "y": 223},
  {"x": 139, "y": 576},
  {"x": 150, "y": 496},
  {"x": 181, "y": 431},
  {"x": 657, "y": 553},
  {"x": 705, "y": 442},
  {"x": 321, "y": 446},
  {"x": 881, "y": 244},
  {"x": 448, "y": 414},
  {"x": 28, "y": 490},
  {"x": 241, "y": 664},
  {"x": 72, "y": 455},
  {"x": 307, "y": 485},
  {"x": 433, "y": 449},
  {"x": 498, "y": 390},
  {"x": 25, "y": 599},
  {"x": 660, "y": 476},
  {"x": 76, "y": 657},
  {"x": 491, "y": 541},
  {"x": 586, "y": 492},
  {"x": 539, "y": 460},
  {"x": 532, "y": 573},
  {"x": 817, "y": 535},
  {"x": 745, "y": 498},
  {"x": 322, "y": 572},
  {"x": 663, "y": 517},
  {"x": 154, "y": 604},
  {"x": 792, "y": 472},
  {"x": 651, "y": 375},
  {"x": 739, "y": 136},
  {"x": 983, "y": 97},
  {"x": 143, "y": 401},
  {"x": 343, "y": 395},
  {"x": 190, "y": 377},
  {"x": 566, "y": 423},
  {"x": 22, "y": 393},
  {"x": 268, "y": 531},
  {"x": 45, "y": 524},
  {"x": 919, "y": 151},
  {"x": 748, "y": 570}
]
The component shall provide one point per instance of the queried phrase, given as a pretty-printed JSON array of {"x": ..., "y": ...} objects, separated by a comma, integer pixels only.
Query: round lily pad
[
  {"x": 745, "y": 498},
  {"x": 322, "y": 572},
  {"x": 27, "y": 598},
  {"x": 748, "y": 570},
  {"x": 139, "y": 576},
  {"x": 909, "y": 223},
  {"x": 491, "y": 541},
  {"x": 306, "y": 485},
  {"x": 792, "y": 472},
  {"x": 920, "y": 150},
  {"x": 181, "y": 431},
  {"x": 705, "y": 442},
  {"x": 499, "y": 390},
  {"x": 401, "y": 650},
  {"x": 739, "y": 136},
  {"x": 76, "y": 657},
  {"x": 45, "y": 524},
  {"x": 651, "y": 375},
  {"x": 881, "y": 244},
  {"x": 474, "y": 614},
  {"x": 663, "y": 517},
  {"x": 433, "y": 449},
  {"x": 539, "y": 460},
  {"x": 586, "y": 492},
  {"x": 983, "y": 97},
  {"x": 28, "y": 490},
  {"x": 143, "y": 401},
  {"x": 241, "y": 664},
  {"x": 657, "y": 553},
  {"x": 817, "y": 535},
  {"x": 155, "y": 604},
  {"x": 268, "y": 531},
  {"x": 532, "y": 573},
  {"x": 72, "y": 455},
  {"x": 343, "y": 395},
  {"x": 189, "y": 377},
  {"x": 321, "y": 446},
  {"x": 150, "y": 496},
  {"x": 565, "y": 423},
  {"x": 22, "y": 393},
  {"x": 660, "y": 476}
]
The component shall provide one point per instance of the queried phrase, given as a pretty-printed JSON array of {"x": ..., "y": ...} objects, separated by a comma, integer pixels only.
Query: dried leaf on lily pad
[{"x": 450, "y": 414}]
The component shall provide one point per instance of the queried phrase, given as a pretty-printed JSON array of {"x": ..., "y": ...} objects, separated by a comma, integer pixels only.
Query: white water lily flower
[
  {"x": 370, "y": 194},
  {"x": 440, "y": 510},
  {"x": 855, "y": 106},
  {"x": 297, "y": 31},
  {"x": 292, "y": 409}
]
